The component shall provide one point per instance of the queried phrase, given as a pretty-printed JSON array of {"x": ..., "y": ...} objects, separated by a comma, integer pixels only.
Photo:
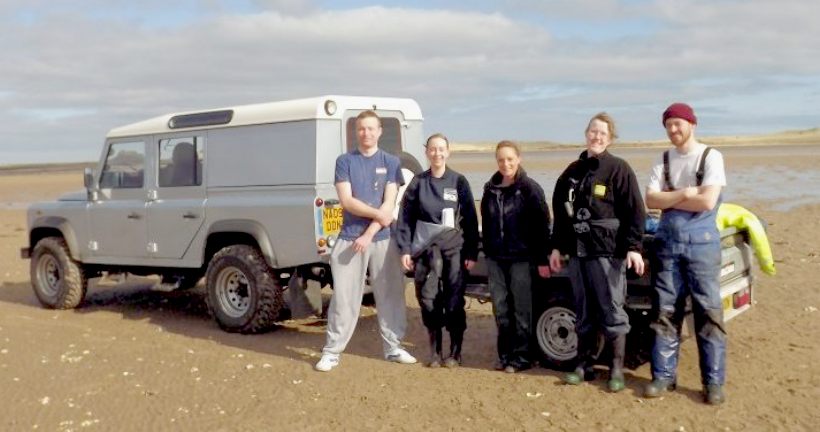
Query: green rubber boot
[{"x": 616, "y": 371}]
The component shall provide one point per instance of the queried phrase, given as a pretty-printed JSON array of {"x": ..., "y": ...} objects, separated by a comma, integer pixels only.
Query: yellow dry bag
[{"x": 737, "y": 216}]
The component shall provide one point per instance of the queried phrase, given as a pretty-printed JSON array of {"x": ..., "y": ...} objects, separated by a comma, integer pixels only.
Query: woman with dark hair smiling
[
  {"x": 515, "y": 223},
  {"x": 438, "y": 238}
]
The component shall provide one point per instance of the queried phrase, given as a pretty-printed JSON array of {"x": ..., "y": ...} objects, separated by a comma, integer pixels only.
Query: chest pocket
[{"x": 450, "y": 194}]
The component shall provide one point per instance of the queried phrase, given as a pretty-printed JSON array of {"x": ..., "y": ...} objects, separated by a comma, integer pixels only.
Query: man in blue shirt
[{"x": 367, "y": 181}]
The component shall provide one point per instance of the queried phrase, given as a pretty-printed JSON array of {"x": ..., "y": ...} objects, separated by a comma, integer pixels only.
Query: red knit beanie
[{"x": 681, "y": 111}]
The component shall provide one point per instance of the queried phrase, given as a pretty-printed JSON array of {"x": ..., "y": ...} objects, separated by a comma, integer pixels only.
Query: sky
[{"x": 483, "y": 70}]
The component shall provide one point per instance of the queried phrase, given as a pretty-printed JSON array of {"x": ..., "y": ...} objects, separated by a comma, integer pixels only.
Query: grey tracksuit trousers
[{"x": 349, "y": 271}]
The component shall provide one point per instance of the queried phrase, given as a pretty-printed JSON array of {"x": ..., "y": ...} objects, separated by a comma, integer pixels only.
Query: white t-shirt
[{"x": 683, "y": 169}]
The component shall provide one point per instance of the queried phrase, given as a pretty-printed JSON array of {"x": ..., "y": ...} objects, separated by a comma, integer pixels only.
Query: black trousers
[
  {"x": 511, "y": 290},
  {"x": 440, "y": 292}
]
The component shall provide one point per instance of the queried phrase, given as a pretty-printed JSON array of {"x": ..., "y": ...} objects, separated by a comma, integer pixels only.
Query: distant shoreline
[
  {"x": 803, "y": 137},
  {"x": 45, "y": 167}
]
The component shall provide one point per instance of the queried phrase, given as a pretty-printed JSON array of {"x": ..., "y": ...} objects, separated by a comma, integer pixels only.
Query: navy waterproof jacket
[{"x": 515, "y": 220}]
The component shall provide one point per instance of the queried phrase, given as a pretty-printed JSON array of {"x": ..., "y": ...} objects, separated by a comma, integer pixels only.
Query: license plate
[
  {"x": 332, "y": 220},
  {"x": 727, "y": 269},
  {"x": 727, "y": 303}
]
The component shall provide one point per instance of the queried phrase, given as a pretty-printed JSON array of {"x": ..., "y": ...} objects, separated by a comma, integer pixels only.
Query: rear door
[{"x": 176, "y": 207}]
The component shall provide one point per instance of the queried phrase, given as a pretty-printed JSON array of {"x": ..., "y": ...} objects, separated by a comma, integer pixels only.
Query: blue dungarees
[{"x": 689, "y": 256}]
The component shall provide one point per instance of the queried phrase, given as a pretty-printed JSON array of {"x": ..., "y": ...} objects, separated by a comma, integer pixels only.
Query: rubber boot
[
  {"x": 576, "y": 376},
  {"x": 584, "y": 370},
  {"x": 435, "y": 348},
  {"x": 454, "y": 359},
  {"x": 658, "y": 387},
  {"x": 616, "y": 371},
  {"x": 713, "y": 394}
]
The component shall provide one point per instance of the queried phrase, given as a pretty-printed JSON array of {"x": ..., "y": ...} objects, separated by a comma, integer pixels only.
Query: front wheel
[
  {"x": 58, "y": 280},
  {"x": 243, "y": 294}
]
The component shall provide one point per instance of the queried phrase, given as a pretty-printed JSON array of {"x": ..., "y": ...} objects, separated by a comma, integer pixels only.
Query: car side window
[
  {"x": 124, "y": 166},
  {"x": 180, "y": 162},
  {"x": 390, "y": 140}
]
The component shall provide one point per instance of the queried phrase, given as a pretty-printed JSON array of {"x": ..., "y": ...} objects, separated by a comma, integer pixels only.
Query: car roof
[{"x": 275, "y": 112}]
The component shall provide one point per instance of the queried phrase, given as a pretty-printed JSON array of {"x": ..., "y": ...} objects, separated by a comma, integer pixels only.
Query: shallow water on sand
[{"x": 781, "y": 176}]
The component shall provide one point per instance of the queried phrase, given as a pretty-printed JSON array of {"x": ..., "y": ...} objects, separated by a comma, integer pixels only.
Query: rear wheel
[
  {"x": 58, "y": 280},
  {"x": 243, "y": 294}
]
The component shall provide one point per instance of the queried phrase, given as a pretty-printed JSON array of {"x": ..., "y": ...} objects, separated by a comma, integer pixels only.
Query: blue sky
[{"x": 484, "y": 70}]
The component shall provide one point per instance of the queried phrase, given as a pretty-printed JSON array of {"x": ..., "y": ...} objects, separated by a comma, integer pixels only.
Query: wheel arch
[
  {"x": 239, "y": 231},
  {"x": 54, "y": 226}
]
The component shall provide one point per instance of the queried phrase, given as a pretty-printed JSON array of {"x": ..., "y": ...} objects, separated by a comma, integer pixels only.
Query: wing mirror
[{"x": 88, "y": 182}]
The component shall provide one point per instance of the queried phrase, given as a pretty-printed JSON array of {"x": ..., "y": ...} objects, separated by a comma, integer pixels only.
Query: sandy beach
[{"x": 131, "y": 358}]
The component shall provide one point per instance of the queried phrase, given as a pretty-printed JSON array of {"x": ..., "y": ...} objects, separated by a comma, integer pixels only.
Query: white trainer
[
  {"x": 327, "y": 362},
  {"x": 400, "y": 356}
]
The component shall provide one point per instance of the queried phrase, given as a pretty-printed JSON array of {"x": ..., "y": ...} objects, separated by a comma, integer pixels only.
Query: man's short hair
[{"x": 368, "y": 113}]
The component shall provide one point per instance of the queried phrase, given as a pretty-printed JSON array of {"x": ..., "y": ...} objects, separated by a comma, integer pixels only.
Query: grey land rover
[{"x": 242, "y": 195}]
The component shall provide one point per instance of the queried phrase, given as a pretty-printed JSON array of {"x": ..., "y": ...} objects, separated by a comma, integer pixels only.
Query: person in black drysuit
[
  {"x": 439, "y": 254},
  {"x": 599, "y": 222},
  {"x": 515, "y": 223}
]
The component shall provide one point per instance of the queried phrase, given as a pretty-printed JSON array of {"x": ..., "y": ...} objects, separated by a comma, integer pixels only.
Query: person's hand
[
  {"x": 469, "y": 264},
  {"x": 556, "y": 263},
  {"x": 361, "y": 243},
  {"x": 544, "y": 271},
  {"x": 407, "y": 262},
  {"x": 690, "y": 192},
  {"x": 634, "y": 260},
  {"x": 384, "y": 218}
]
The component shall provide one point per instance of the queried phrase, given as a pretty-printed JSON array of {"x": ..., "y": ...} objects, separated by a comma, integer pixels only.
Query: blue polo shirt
[{"x": 368, "y": 177}]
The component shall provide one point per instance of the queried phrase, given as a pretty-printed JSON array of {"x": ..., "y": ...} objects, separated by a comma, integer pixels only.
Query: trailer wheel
[
  {"x": 555, "y": 334},
  {"x": 243, "y": 294},
  {"x": 58, "y": 280},
  {"x": 556, "y": 337}
]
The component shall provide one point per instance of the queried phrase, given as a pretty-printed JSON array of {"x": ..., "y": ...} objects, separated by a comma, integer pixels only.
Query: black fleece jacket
[
  {"x": 605, "y": 187},
  {"x": 424, "y": 199},
  {"x": 515, "y": 220}
]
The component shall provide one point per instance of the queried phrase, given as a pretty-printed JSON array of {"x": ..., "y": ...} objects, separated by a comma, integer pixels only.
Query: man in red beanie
[{"x": 686, "y": 184}]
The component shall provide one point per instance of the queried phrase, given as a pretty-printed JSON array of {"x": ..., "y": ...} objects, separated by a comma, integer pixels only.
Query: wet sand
[{"x": 135, "y": 359}]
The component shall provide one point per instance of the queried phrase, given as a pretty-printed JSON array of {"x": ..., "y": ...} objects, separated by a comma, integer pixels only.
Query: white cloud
[{"x": 478, "y": 75}]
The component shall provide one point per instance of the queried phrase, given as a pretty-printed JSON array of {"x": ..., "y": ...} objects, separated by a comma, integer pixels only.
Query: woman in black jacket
[
  {"x": 435, "y": 202},
  {"x": 515, "y": 224},
  {"x": 599, "y": 220}
]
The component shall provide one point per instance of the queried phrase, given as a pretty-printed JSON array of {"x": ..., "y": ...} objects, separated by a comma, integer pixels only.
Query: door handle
[
  {"x": 190, "y": 216},
  {"x": 134, "y": 216}
]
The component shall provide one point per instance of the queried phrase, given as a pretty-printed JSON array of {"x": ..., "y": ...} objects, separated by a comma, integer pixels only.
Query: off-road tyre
[
  {"x": 58, "y": 281},
  {"x": 244, "y": 296}
]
